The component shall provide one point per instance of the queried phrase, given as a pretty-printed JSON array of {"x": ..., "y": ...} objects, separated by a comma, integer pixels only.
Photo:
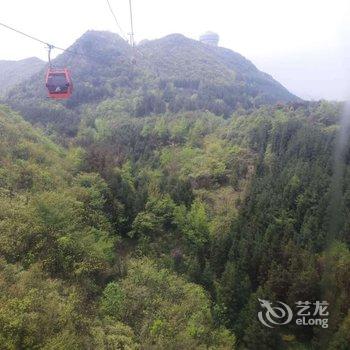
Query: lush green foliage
[
  {"x": 244, "y": 207},
  {"x": 60, "y": 245},
  {"x": 160, "y": 220},
  {"x": 165, "y": 311}
]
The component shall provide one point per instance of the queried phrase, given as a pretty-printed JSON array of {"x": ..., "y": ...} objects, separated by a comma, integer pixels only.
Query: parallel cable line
[
  {"x": 116, "y": 21},
  {"x": 39, "y": 40}
]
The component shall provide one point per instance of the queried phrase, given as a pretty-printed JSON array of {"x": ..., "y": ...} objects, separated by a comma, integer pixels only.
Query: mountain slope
[
  {"x": 171, "y": 74},
  {"x": 15, "y": 72},
  {"x": 62, "y": 268},
  {"x": 179, "y": 58},
  {"x": 28, "y": 160}
]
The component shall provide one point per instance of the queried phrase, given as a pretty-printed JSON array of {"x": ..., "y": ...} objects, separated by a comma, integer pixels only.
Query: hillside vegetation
[{"x": 127, "y": 223}]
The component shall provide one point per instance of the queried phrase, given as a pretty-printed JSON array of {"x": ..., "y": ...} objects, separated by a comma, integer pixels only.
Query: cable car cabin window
[{"x": 57, "y": 83}]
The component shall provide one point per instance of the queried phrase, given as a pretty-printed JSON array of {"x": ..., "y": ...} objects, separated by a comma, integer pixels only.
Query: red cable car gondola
[{"x": 59, "y": 83}]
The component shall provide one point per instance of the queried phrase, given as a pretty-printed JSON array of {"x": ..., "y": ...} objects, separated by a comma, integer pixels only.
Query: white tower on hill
[{"x": 210, "y": 38}]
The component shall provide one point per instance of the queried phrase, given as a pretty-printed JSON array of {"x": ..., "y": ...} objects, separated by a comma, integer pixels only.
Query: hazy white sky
[{"x": 302, "y": 43}]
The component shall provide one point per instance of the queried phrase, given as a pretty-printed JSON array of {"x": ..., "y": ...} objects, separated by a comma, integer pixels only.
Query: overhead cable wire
[
  {"x": 39, "y": 40},
  {"x": 132, "y": 34},
  {"x": 116, "y": 21},
  {"x": 132, "y": 39},
  {"x": 49, "y": 45}
]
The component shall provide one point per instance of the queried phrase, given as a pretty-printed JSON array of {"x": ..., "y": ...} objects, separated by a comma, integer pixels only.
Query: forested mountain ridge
[
  {"x": 189, "y": 63},
  {"x": 170, "y": 74},
  {"x": 15, "y": 72},
  {"x": 157, "y": 221}
]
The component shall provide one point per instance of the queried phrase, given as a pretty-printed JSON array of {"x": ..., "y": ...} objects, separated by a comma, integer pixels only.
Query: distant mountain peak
[
  {"x": 173, "y": 74},
  {"x": 14, "y": 72},
  {"x": 177, "y": 57},
  {"x": 95, "y": 47},
  {"x": 101, "y": 35},
  {"x": 175, "y": 37},
  {"x": 100, "y": 40}
]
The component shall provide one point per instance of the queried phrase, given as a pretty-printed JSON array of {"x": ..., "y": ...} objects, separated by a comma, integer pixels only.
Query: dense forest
[{"x": 156, "y": 207}]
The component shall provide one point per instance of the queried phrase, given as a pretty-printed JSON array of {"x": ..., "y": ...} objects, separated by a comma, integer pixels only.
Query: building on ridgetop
[{"x": 210, "y": 38}]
